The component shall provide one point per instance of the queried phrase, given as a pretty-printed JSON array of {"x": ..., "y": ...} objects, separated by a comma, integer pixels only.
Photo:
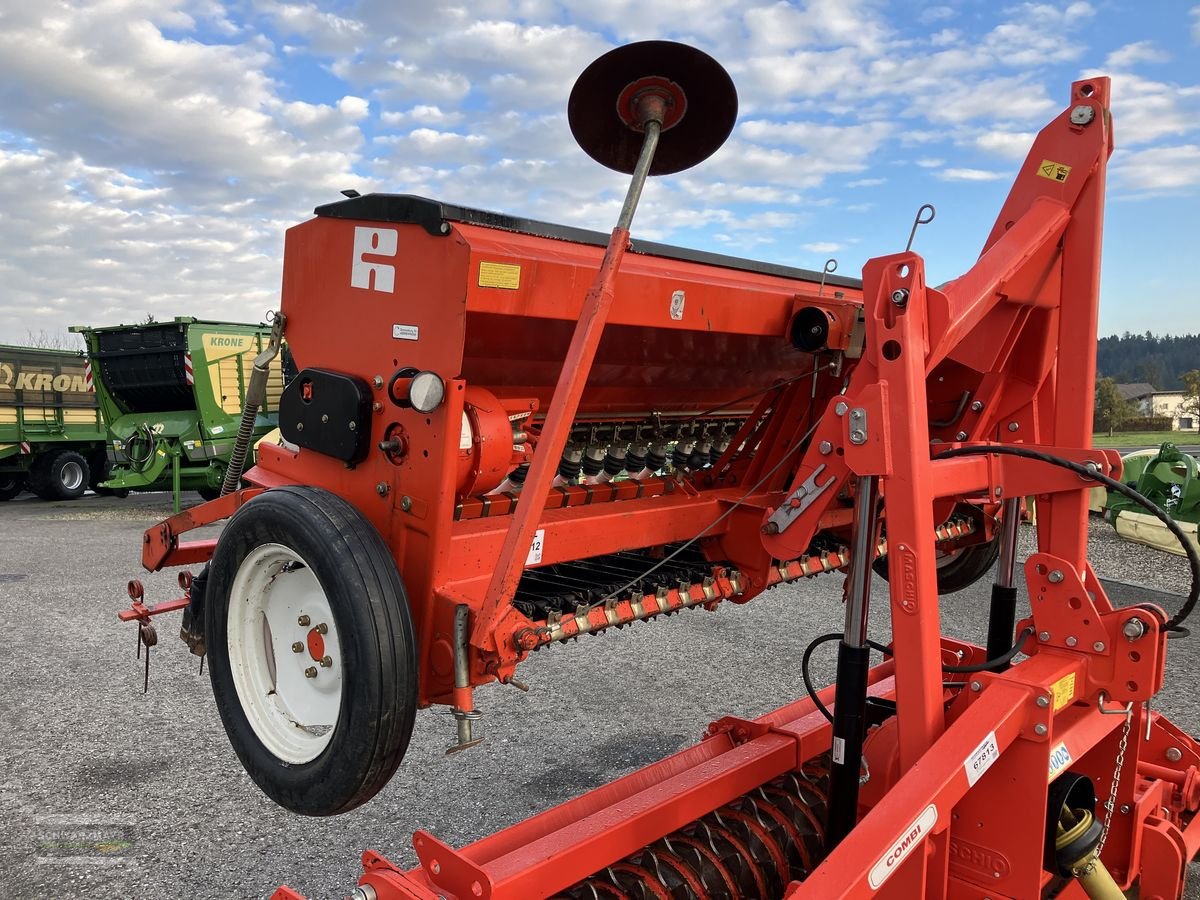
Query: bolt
[
  {"x": 1071, "y": 641},
  {"x": 377, "y": 381},
  {"x": 900, "y": 297},
  {"x": 1043, "y": 636},
  {"x": 381, "y": 489},
  {"x": 1055, "y": 577},
  {"x": 1040, "y": 728},
  {"x": 976, "y": 686},
  {"x": 1043, "y": 701},
  {"x": 1013, "y": 426},
  {"x": 825, "y": 447},
  {"x": 771, "y": 528},
  {"x": 1125, "y": 807},
  {"x": 840, "y": 408},
  {"x": 977, "y": 406},
  {"x": 353, "y": 426},
  {"x": 999, "y": 491},
  {"x": 961, "y": 436},
  {"x": 298, "y": 647},
  {"x": 310, "y": 672},
  {"x": 1098, "y": 646},
  {"x": 324, "y": 417},
  {"x": 406, "y": 503},
  {"x": 435, "y": 867},
  {"x": 322, "y": 628},
  {"x": 858, "y": 436},
  {"x": 1174, "y": 754},
  {"x": 377, "y": 406},
  {"x": 326, "y": 662},
  {"x": 303, "y": 621},
  {"x": 1082, "y": 115},
  {"x": 1133, "y": 629},
  {"x": 299, "y": 426}
]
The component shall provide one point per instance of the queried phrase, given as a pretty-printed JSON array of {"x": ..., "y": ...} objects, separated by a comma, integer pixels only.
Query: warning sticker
[
  {"x": 500, "y": 275},
  {"x": 1064, "y": 691},
  {"x": 981, "y": 758},
  {"x": 1048, "y": 168}
]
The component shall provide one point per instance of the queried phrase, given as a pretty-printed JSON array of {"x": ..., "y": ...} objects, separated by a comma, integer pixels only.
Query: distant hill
[{"x": 1146, "y": 357}]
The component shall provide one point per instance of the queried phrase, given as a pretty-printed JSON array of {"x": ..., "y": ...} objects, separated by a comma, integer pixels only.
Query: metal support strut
[{"x": 850, "y": 696}]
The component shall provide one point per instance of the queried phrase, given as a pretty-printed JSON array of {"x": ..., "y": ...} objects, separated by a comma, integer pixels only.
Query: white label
[
  {"x": 535, "y": 549},
  {"x": 981, "y": 758},
  {"x": 677, "y": 305},
  {"x": 905, "y": 844},
  {"x": 373, "y": 276},
  {"x": 466, "y": 435},
  {"x": 217, "y": 429},
  {"x": 1060, "y": 758},
  {"x": 405, "y": 332},
  {"x": 839, "y": 750}
]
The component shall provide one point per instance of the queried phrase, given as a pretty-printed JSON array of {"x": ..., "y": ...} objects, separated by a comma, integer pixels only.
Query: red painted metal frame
[{"x": 935, "y": 830}]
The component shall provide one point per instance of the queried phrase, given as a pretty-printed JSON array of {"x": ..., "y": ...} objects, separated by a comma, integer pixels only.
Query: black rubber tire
[
  {"x": 966, "y": 566},
  {"x": 54, "y": 475},
  {"x": 375, "y": 631},
  {"x": 11, "y": 485}
]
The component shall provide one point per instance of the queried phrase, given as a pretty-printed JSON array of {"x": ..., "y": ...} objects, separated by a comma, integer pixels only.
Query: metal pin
[
  {"x": 920, "y": 221},
  {"x": 830, "y": 268}
]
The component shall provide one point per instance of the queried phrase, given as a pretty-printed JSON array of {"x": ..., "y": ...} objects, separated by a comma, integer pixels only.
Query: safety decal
[
  {"x": 677, "y": 301},
  {"x": 981, "y": 758},
  {"x": 1048, "y": 168},
  {"x": 904, "y": 845},
  {"x": 505, "y": 276},
  {"x": 1064, "y": 691},
  {"x": 406, "y": 332}
]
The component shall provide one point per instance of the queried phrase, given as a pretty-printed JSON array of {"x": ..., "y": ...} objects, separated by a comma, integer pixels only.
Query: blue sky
[{"x": 152, "y": 152}]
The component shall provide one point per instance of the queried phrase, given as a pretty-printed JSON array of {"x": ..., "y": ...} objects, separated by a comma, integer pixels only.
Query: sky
[{"x": 153, "y": 152}]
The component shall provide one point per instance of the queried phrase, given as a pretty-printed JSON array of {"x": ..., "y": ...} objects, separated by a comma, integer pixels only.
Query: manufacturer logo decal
[
  {"x": 910, "y": 840},
  {"x": 373, "y": 276}
]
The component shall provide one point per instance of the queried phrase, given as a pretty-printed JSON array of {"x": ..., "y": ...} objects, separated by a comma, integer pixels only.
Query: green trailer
[
  {"x": 52, "y": 436},
  {"x": 172, "y": 394}
]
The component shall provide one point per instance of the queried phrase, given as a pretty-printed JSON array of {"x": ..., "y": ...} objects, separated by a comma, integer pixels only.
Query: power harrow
[{"x": 481, "y": 455}]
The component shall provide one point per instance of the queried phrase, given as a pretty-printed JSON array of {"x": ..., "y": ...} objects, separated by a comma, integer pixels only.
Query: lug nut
[
  {"x": 322, "y": 628},
  {"x": 310, "y": 672},
  {"x": 297, "y": 647},
  {"x": 303, "y": 621},
  {"x": 326, "y": 662}
]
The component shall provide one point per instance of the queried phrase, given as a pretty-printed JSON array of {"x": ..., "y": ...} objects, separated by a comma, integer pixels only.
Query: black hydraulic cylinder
[
  {"x": 1002, "y": 618},
  {"x": 849, "y": 731}
]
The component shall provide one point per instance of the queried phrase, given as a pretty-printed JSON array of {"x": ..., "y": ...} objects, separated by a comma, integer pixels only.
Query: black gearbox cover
[{"x": 327, "y": 412}]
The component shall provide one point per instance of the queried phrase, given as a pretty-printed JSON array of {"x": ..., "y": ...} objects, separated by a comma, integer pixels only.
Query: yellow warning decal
[
  {"x": 1048, "y": 168},
  {"x": 500, "y": 275},
  {"x": 1064, "y": 691}
]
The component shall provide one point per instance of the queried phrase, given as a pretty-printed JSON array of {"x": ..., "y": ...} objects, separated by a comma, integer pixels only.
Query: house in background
[{"x": 1160, "y": 404}]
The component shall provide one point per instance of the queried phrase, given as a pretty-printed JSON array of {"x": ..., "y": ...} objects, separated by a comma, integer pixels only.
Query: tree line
[{"x": 1158, "y": 361}]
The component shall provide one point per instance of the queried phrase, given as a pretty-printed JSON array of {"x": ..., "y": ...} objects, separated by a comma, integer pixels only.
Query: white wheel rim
[
  {"x": 71, "y": 475},
  {"x": 276, "y": 603}
]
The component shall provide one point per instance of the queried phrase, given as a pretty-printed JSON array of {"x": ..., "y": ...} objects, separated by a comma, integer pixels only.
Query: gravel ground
[{"x": 85, "y": 754}]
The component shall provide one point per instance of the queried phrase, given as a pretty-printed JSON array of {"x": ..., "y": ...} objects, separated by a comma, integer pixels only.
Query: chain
[{"x": 1116, "y": 781}]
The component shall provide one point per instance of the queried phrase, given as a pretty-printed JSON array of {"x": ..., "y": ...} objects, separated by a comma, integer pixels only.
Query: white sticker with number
[{"x": 535, "y": 549}]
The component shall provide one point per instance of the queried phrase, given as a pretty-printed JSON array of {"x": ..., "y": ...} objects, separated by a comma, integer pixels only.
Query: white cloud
[
  {"x": 1008, "y": 144},
  {"x": 823, "y": 247},
  {"x": 1158, "y": 168},
  {"x": 930, "y": 162},
  {"x": 1039, "y": 34},
  {"x": 931, "y": 14},
  {"x": 969, "y": 175},
  {"x": 1124, "y": 58}
]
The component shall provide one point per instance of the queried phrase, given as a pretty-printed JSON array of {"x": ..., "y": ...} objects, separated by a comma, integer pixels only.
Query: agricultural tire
[
  {"x": 11, "y": 485},
  {"x": 59, "y": 476},
  {"x": 957, "y": 569},
  {"x": 292, "y": 559}
]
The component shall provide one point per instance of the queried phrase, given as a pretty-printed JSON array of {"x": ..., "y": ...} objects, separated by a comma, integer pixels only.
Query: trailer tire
[
  {"x": 61, "y": 475},
  {"x": 957, "y": 569},
  {"x": 10, "y": 486},
  {"x": 275, "y": 710}
]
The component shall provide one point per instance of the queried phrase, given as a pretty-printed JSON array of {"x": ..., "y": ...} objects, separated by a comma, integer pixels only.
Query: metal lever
[{"x": 463, "y": 710}]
